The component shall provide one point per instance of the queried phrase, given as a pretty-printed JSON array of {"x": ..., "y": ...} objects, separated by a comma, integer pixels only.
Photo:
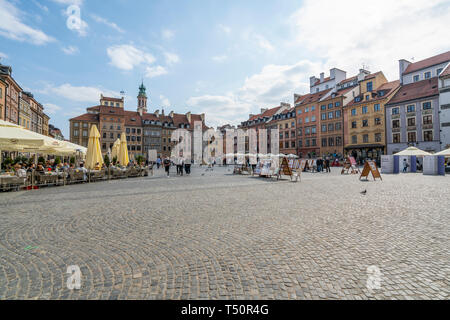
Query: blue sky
[{"x": 225, "y": 58}]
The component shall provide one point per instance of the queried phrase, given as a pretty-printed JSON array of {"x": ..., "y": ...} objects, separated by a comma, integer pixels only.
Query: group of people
[
  {"x": 181, "y": 164},
  {"x": 323, "y": 165}
]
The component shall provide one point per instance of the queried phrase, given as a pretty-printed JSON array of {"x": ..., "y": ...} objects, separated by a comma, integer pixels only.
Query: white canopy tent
[
  {"x": 413, "y": 151},
  {"x": 445, "y": 153}
]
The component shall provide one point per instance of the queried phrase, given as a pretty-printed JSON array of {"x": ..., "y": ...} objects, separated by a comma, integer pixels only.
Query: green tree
[
  {"x": 106, "y": 160},
  {"x": 72, "y": 160}
]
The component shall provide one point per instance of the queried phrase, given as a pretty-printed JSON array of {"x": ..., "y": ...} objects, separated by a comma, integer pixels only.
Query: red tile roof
[
  {"x": 416, "y": 90},
  {"x": 86, "y": 117},
  {"x": 312, "y": 97},
  {"x": 129, "y": 115},
  {"x": 388, "y": 88},
  {"x": 112, "y": 99},
  {"x": 268, "y": 113},
  {"x": 446, "y": 71},
  {"x": 440, "y": 58},
  {"x": 372, "y": 75},
  {"x": 324, "y": 80},
  {"x": 348, "y": 79}
]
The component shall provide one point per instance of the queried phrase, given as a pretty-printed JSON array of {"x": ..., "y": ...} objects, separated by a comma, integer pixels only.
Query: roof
[
  {"x": 86, "y": 117},
  {"x": 440, "y": 58},
  {"x": 372, "y": 75},
  {"x": 324, "y": 80},
  {"x": 268, "y": 113},
  {"x": 445, "y": 72},
  {"x": 416, "y": 90},
  {"x": 129, "y": 115},
  {"x": 388, "y": 88},
  {"x": 112, "y": 99},
  {"x": 312, "y": 97},
  {"x": 348, "y": 80}
]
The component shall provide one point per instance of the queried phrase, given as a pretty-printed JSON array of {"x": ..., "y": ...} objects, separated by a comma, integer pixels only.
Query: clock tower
[{"x": 142, "y": 100}]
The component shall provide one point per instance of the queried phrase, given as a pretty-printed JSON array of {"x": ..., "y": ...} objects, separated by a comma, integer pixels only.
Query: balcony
[{"x": 411, "y": 128}]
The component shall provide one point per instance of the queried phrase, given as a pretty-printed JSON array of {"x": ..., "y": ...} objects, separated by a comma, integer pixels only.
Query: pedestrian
[
  {"x": 405, "y": 166},
  {"x": 327, "y": 165},
  {"x": 166, "y": 164},
  {"x": 158, "y": 162}
]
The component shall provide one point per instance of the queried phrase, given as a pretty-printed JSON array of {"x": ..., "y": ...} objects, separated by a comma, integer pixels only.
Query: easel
[
  {"x": 370, "y": 167},
  {"x": 350, "y": 164},
  {"x": 284, "y": 169}
]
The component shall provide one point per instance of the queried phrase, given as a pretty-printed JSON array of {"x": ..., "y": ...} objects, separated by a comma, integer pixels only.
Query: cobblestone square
[{"x": 215, "y": 235}]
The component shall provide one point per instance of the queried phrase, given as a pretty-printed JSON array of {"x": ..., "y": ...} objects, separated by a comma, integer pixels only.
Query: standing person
[
  {"x": 166, "y": 164},
  {"x": 158, "y": 162},
  {"x": 181, "y": 165},
  {"x": 327, "y": 165},
  {"x": 405, "y": 166},
  {"x": 187, "y": 167}
]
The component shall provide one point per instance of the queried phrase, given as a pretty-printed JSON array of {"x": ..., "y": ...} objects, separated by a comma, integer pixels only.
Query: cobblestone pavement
[{"x": 218, "y": 236}]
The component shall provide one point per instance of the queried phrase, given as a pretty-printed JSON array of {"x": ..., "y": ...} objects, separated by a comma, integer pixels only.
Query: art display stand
[
  {"x": 370, "y": 167},
  {"x": 350, "y": 165}
]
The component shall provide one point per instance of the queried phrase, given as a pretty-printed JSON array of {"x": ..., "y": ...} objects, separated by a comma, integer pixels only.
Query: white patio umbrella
[
  {"x": 292, "y": 156},
  {"x": 413, "y": 151},
  {"x": 445, "y": 153}
]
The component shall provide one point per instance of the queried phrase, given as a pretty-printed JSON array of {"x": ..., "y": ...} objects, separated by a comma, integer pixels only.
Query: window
[
  {"x": 338, "y": 113},
  {"x": 331, "y": 141},
  {"x": 427, "y": 119},
  {"x": 376, "y": 107},
  {"x": 300, "y": 131},
  {"x": 292, "y": 144},
  {"x": 128, "y": 130},
  {"x": 313, "y": 130},
  {"x": 138, "y": 138},
  {"x": 427, "y": 75},
  {"x": 396, "y": 138},
  {"x": 324, "y": 128},
  {"x": 85, "y": 133},
  {"x": 367, "y": 97},
  {"x": 365, "y": 123},
  {"x": 364, "y": 110},
  {"x": 75, "y": 133},
  {"x": 428, "y": 135},
  {"x": 337, "y": 104},
  {"x": 330, "y": 106},
  {"x": 299, "y": 111},
  {"x": 412, "y": 136},
  {"x": 313, "y": 119},
  {"x": 396, "y": 123},
  {"x": 438, "y": 72},
  {"x": 306, "y": 109},
  {"x": 354, "y": 139},
  {"x": 365, "y": 138},
  {"x": 313, "y": 108},
  {"x": 339, "y": 141},
  {"x": 381, "y": 93},
  {"x": 104, "y": 146},
  {"x": 411, "y": 122},
  {"x": 307, "y": 143},
  {"x": 377, "y": 137},
  {"x": 416, "y": 78},
  {"x": 411, "y": 108},
  {"x": 323, "y": 116},
  {"x": 337, "y": 126},
  {"x": 353, "y": 112},
  {"x": 300, "y": 144},
  {"x": 299, "y": 120},
  {"x": 286, "y": 135},
  {"x": 323, "y": 107},
  {"x": 330, "y": 127},
  {"x": 426, "y": 105},
  {"x": 395, "y": 110},
  {"x": 292, "y": 124},
  {"x": 377, "y": 121},
  {"x": 313, "y": 142},
  {"x": 281, "y": 137},
  {"x": 133, "y": 130},
  {"x": 85, "y": 125},
  {"x": 306, "y": 120},
  {"x": 307, "y": 130},
  {"x": 104, "y": 135},
  {"x": 353, "y": 124},
  {"x": 286, "y": 125},
  {"x": 369, "y": 86},
  {"x": 324, "y": 142},
  {"x": 357, "y": 99},
  {"x": 330, "y": 115}
]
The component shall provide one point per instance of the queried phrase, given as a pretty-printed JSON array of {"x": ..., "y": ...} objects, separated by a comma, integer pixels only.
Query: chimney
[
  {"x": 157, "y": 113},
  {"x": 402, "y": 65},
  {"x": 202, "y": 116},
  {"x": 322, "y": 76},
  {"x": 312, "y": 81},
  {"x": 362, "y": 74},
  {"x": 188, "y": 116},
  {"x": 162, "y": 112},
  {"x": 171, "y": 114}
]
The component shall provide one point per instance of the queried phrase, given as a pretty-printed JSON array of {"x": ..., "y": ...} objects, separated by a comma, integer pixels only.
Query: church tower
[{"x": 142, "y": 100}]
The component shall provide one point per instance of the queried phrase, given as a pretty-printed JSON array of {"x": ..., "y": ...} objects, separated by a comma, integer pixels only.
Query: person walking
[
  {"x": 166, "y": 164},
  {"x": 327, "y": 165},
  {"x": 158, "y": 162},
  {"x": 405, "y": 166}
]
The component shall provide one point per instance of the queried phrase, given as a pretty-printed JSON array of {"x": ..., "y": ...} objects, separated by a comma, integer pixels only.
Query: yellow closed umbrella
[
  {"x": 115, "y": 149},
  {"x": 94, "y": 153},
  {"x": 123, "y": 151}
]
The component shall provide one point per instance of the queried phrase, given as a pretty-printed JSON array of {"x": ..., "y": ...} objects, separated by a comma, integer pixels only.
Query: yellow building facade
[{"x": 365, "y": 118}]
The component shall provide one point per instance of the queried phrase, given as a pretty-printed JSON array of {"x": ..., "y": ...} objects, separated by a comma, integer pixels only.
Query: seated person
[
  {"x": 97, "y": 166},
  {"x": 40, "y": 168},
  {"x": 20, "y": 172}
]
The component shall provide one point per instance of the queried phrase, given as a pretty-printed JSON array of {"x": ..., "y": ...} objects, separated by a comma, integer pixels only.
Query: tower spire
[{"x": 142, "y": 99}]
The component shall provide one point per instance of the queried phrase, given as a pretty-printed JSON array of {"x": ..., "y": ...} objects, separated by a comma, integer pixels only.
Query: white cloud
[
  {"x": 167, "y": 34},
  {"x": 78, "y": 93},
  {"x": 377, "y": 34},
  {"x": 263, "y": 90},
  {"x": 107, "y": 23},
  {"x": 3, "y": 55},
  {"x": 70, "y": 50},
  {"x": 263, "y": 43},
  {"x": 126, "y": 57},
  {"x": 40, "y": 6},
  {"x": 152, "y": 72},
  {"x": 69, "y": 2},
  {"x": 225, "y": 28},
  {"x": 12, "y": 27},
  {"x": 220, "y": 58},
  {"x": 164, "y": 101},
  {"x": 51, "y": 108},
  {"x": 171, "y": 58}
]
